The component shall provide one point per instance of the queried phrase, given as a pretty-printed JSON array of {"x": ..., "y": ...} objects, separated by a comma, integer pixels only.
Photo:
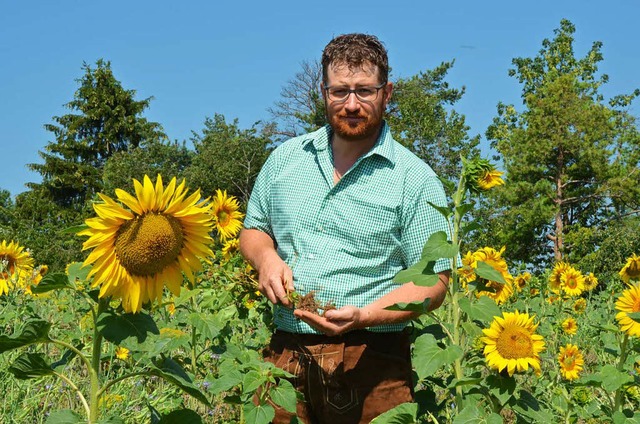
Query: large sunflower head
[
  {"x": 631, "y": 270},
  {"x": 147, "y": 241},
  {"x": 16, "y": 266},
  {"x": 627, "y": 303},
  {"x": 226, "y": 215},
  {"x": 573, "y": 282},
  {"x": 511, "y": 343},
  {"x": 571, "y": 362}
]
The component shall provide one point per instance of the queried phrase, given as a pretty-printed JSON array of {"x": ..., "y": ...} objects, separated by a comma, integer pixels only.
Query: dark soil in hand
[{"x": 309, "y": 303}]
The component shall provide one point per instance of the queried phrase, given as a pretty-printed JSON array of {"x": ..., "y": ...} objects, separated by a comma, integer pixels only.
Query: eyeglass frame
[{"x": 354, "y": 91}]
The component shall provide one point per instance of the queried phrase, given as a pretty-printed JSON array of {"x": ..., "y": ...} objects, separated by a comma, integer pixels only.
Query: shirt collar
[{"x": 383, "y": 147}]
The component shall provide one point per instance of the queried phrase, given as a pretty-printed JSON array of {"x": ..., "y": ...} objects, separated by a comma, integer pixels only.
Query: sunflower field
[{"x": 163, "y": 323}]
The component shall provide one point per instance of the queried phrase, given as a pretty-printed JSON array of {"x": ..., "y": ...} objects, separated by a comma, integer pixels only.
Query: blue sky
[{"x": 199, "y": 58}]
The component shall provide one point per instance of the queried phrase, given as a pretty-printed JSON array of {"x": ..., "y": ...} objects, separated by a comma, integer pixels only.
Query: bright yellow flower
[
  {"x": 171, "y": 308},
  {"x": 226, "y": 215},
  {"x": 466, "y": 272},
  {"x": 590, "y": 281},
  {"x": 122, "y": 353},
  {"x": 570, "y": 326},
  {"x": 555, "y": 279},
  {"x": 16, "y": 265},
  {"x": 580, "y": 305},
  {"x": 572, "y": 282},
  {"x": 511, "y": 343},
  {"x": 136, "y": 251},
  {"x": 631, "y": 270},
  {"x": 230, "y": 247},
  {"x": 490, "y": 179},
  {"x": 503, "y": 292},
  {"x": 627, "y": 303},
  {"x": 571, "y": 362},
  {"x": 534, "y": 292},
  {"x": 521, "y": 281}
]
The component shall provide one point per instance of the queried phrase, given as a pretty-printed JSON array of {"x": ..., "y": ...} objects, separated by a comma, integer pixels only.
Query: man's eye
[
  {"x": 340, "y": 92},
  {"x": 365, "y": 92}
]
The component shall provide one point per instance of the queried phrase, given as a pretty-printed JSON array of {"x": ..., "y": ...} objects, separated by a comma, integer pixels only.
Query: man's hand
[
  {"x": 334, "y": 322},
  {"x": 275, "y": 280}
]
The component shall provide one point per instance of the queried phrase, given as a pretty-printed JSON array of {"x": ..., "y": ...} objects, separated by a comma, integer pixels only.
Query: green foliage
[
  {"x": 107, "y": 120},
  {"x": 227, "y": 157},
  {"x": 568, "y": 155},
  {"x": 153, "y": 158},
  {"x": 421, "y": 118}
]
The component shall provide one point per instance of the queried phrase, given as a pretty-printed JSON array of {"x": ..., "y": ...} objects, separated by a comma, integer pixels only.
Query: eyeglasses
[{"x": 364, "y": 94}]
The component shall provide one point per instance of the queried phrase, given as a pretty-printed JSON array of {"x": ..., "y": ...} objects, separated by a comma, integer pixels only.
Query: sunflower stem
[
  {"x": 454, "y": 287},
  {"x": 71, "y": 384},
  {"x": 94, "y": 369},
  {"x": 619, "y": 399},
  {"x": 194, "y": 339}
]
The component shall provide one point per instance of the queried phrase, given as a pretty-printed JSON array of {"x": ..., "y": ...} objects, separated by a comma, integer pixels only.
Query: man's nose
[{"x": 352, "y": 103}]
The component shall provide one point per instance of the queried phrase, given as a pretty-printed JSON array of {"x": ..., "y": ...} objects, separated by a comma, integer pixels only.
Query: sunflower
[
  {"x": 521, "y": 281},
  {"x": 511, "y": 343},
  {"x": 590, "y": 282},
  {"x": 16, "y": 266},
  {"x": 466, "y": 272},
  {"x": 570, "y": 326},
  {"x": 631, "y": 270},
  {"x": 580, "y": 305},
  {"x": 627, "y": 303},
  {"x": 225, "y": 210},
  {"x": 572, "y": 282},
  {"x": 501, "y": 293},
  {"x": 571, "y": 361},
  {"x": 230, "y": 247},
  {"x": 136, "y": 251},
  {"x": 490, "y": 179},
  {"x": 555, "y": 279}
]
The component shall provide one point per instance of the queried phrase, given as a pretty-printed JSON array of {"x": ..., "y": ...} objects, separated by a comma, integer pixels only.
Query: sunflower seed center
[
  {"x": 515, "y": 343},
  {"x": 146, "y": 244}
]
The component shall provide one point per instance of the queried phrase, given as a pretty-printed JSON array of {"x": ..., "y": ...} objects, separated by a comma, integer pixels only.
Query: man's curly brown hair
[{"x": 356, "y": 50}]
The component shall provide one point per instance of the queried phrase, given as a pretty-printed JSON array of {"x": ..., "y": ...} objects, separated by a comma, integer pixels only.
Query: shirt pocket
[{"x": 372, "y": 226}]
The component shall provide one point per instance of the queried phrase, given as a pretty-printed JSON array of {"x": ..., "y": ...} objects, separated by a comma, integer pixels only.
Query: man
[{"x": 338, "y": 213}]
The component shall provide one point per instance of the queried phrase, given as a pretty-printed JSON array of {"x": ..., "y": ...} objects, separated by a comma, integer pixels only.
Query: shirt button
[
  {"x": 311, "y": 256},
  {"x": 320, "y": 228}
]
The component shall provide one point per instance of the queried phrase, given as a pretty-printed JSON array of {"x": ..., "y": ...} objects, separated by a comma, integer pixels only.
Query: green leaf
[
  {"x": 251, "y": 381},
  {"x": 529, "y": 406},
  {"x": 52, "y": 282},
  {"x": 421, "y": 274},
  {"x": 66, "y": 356},
  {"x": 484, "y": 309},
  {"x": 612, "y": 379},
  {"x": 36, "y": 331},
  {"x": 486, "y": 271},
  {"x": 467, "y": 227},
  {"x": 438, "y": 247},
  {"x": 118, "y": 327},
  {"x": 172, "y": 372},
  {"x": 65, "y": 416},
  {"x": 472, "y": 415},
  {"x": 428, "y": 356},
  {"x": 74, "y": 229},
  {"x": 405, "y": 413},
  {"x": 260, "y": 414},
  {"x": 181, "y": 416},
  {"x": 464, "y": 208},
  {"x": 225, "y": 382},
  {"x": 206, "y": 325},
  {"x": 30, "y": 365},
  {"x": 77, "y": 272},
  {"x": 444, "y": 210},
  {"x": 501, "y": 387},
  {"x": 284, "y": 395},
  {"x": 634, "y": 316},
  {"x": 421, "y": 307}
]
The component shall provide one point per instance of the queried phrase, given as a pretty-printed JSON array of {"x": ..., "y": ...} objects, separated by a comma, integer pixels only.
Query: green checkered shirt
[{"x": 345, "y": 242}]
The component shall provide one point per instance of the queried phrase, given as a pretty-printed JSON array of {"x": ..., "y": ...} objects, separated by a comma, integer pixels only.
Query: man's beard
[{"x": 367, "y": 127}]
